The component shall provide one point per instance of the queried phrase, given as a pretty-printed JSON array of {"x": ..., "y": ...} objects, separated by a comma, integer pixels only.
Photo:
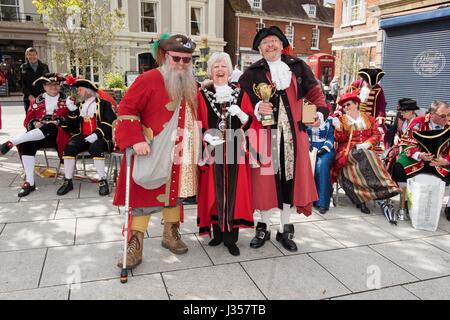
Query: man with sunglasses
[
  {"x": 160, "y": 104},
  {"x": 414, "y": 159}
]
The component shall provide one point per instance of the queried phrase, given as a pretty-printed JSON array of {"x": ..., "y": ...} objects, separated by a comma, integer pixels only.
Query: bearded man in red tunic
[
  {"x": 157, "y": 118},
  {"x": 286, "y": 176}
]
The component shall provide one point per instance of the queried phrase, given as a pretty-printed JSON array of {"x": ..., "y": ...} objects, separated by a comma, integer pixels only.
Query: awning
[{"x": 432, "y": 15}]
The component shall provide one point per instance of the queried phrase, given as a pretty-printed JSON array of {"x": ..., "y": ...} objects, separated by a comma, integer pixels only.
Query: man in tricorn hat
[
  {"x": 161, "y": 104},
  {"x": 290, "y": 180},
  {"x": 371, "y": 93},
  {"x": 414, "y": 159},
  {"x": 91, "y": 126},
  {"x": 46, "y": 124}
]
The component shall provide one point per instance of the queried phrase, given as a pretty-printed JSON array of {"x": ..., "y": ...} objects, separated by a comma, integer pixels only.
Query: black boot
[
  {"x": 286, "y": 237},
  {"x": 363, "y": 208},
  {"x": 233, "y": 249},
  {"x": 26, "y": 190},
  {"x": 261, "y": 235},
  {"x": 103, "y": 189},
  {"x": 65, "y": 188},
  {"x": 447, "y": 213},
  {"x": 5, "y": 147}
]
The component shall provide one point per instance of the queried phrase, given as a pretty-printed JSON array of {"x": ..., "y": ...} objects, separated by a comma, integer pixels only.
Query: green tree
[{"x": 86, "y": 29}]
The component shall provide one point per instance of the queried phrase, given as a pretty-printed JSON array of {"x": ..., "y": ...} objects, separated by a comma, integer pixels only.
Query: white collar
[
  {"x": 50, "y": 103},
  {"x": 223, "y": 93},
  {"x": 358, "y": 120},
  {"x": 281, "y": 74}
]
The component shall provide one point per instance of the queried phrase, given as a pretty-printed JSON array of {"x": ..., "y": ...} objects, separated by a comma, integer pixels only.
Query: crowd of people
[{"x": 238, "y": 142}]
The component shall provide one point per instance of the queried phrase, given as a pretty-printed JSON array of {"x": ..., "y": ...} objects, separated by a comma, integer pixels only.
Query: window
[
  {"x": 9, "y": 10},
  {"x": 353, "y": 11},
  {"x": 119, "y": 4},
  {"x": 196, "y": 21},
  {"x": 149, "y": 17},
  {"x": 256, "y": 4},
  {"x": 312, "y": 10},
  {"x": 290, "y": 34},
  {"x": 260, "y": 25},
  {"x": 315, "y": 38}
]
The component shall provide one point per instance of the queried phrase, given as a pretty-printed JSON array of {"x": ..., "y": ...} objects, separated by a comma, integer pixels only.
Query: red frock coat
[
  {"x": 148, "y": 99},
  {"x": 342, "y": 136},
  {"x": 37, "y": 112},
  {"x": 236, "y": 180}
]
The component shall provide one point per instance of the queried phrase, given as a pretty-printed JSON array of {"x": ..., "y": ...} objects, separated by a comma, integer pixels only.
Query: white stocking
[
  {"x": 28, "y": 165},
  {"x": 285, "y": 218},
  {"x": 69, "y": 167},
  {"x": 32, "y": 135},
  {"x": 100, "y": 166}
]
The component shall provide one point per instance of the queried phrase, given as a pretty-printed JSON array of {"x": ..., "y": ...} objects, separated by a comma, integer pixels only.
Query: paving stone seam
[
  {"x": 30, "y": 289},
  {"x": 43, "y": 267},
  {"x": 332, "y": 275},
  {"x": 75, "y": 233},
  {"x": 56, "y": 210},
  {"x": 431, "y": 244},
  {"x": 204, "y": 250},
  {"x": 256, "y": 285},
  {"x": 2, "y": 228},
  {"x": 404, "y": 287},
  {"x": 165, "y": 286}
]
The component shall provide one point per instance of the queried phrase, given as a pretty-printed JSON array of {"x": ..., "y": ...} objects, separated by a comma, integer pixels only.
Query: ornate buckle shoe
[
  {"x": 261, "y": 235},
  {"x": 286, "y": 237},
  {"x": 65, "y": 188},
  {"x": 103, "y": 189},
  {"x": 26, "y": 189},
  {"x": 5, "y": 147}
]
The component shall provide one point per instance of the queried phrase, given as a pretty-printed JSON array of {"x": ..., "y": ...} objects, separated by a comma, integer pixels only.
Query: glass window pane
[
  {"x": 195, "y": 21},
  {"x": 9, "y": 13},
  {"x": 148, "y": 25},
  {"x": 10, "y": 2}
]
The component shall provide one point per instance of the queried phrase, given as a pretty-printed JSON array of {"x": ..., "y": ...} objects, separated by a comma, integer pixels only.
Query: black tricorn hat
[
  {"x": 406, "y": 104},
  {"x": 86, "y": 84},
  {"x": 178, "y": 43},
  {"x": 371, "y": 75},
  {"x": 49, "y": 77},
  {"x": 271, "y": 31}
]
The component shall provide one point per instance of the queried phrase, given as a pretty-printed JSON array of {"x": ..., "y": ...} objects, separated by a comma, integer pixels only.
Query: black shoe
[
  {"x": 65, "y": 188},
  {"x": 286, "y": 237},
  {"x": 215, "y": 242},
  {"x": 5, "y": 147},
  {"x": 261, "y": 235},
  {"x": 233, "y": 249},
  {"x": 103, "y": 189},
  {"x": 26, "y": 190},
  {"x": 447, "y": 213},
  {"x": 323, "y": 210},
  {"x": 363, "y": 208}
]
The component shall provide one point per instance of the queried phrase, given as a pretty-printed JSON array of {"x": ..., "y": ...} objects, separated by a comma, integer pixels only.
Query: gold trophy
[{"x": 265, "y": 91}]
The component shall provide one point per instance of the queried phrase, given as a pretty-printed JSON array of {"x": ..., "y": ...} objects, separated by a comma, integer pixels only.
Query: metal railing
[{"x": 20, "y": 17}]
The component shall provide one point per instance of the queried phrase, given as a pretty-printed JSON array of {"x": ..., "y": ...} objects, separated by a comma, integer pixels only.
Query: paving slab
[
  {"x": 220, "y": 254},
  {"x": 226, "y": 282},
  {"x": 83, "y": 263},
  {"x": 27, "y": 211},
  {"x": 293, "y": 277},
  {"x": 362, "y": 269},
  {"x": 444, "y": 224},
  {"x": 441, "y": 242},
  {"x": 7, "y": 178},
  {"x": 8, "y": 195},
  {"x": 354, "y": 232},
  {"x": 99, "y": 229},
  {"x": 21, "y": 270},
  {"x": 403, "y": 230},
  {"x": 83, "y": 208},
  {"x": 394, "y": 293},
  {"x": 149, "y": 287},
  {"x": 309, "y": 238},
  {"x": 48, "y": 192},
  {"x": 436, "y": 289},
  {"x": 51, "y": 293},
  {"x": 41, "y": 234},
  {"x": 155, "y": 228},
  {"x": 158, "y": 259},
  {"x": 90, "y": 190},
  {"x": 417, "y": 257}
]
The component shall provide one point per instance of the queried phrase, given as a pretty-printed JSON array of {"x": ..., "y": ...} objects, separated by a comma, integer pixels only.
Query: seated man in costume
[
  {"x": 46, "y": 123},
  {"x": 417, "y": 157},
  {"x": 91, "y": 125},
  {"x": 360, "y": 172}
]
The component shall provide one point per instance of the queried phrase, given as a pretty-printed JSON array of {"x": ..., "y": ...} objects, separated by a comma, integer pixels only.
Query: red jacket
[
  {"x": 37, "y": 112},
  {"x": 148, "y": 99}
]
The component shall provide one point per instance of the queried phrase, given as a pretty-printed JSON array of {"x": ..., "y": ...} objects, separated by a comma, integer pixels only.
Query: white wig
[{"x": 217, "y": 57}]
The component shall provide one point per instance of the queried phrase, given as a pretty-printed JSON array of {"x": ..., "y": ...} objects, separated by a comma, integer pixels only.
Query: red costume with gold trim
[{"x": 148, "y": 99}]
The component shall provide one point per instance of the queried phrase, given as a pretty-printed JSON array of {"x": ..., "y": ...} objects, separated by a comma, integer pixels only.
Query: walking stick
[{"x": 124, "y": 272}]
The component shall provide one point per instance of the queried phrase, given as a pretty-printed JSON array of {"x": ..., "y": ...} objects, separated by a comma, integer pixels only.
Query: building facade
[
  {"x": 308, "y": 25},
  {"x": 144, "y": 21}
]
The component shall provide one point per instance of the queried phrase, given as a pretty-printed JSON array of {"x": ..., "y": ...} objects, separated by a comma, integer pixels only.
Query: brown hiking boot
[
  {"x": 134, "y": 250},
  {"x": 172, "y": 239}
]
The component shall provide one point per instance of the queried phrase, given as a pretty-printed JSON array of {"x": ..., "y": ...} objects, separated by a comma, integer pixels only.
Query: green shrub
[{"x": 114, "y": 81}]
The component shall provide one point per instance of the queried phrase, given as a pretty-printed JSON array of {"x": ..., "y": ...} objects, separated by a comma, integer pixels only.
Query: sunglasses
[{"x": 178, "y": 58}]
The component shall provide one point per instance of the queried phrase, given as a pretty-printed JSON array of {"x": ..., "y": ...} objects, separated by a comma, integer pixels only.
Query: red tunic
[
  {"x": 148, "y": 99},
  {"x": 37, "y": 111},
  {"x": 342, "y": 136},
  {"x": 214, "y": 186}
]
